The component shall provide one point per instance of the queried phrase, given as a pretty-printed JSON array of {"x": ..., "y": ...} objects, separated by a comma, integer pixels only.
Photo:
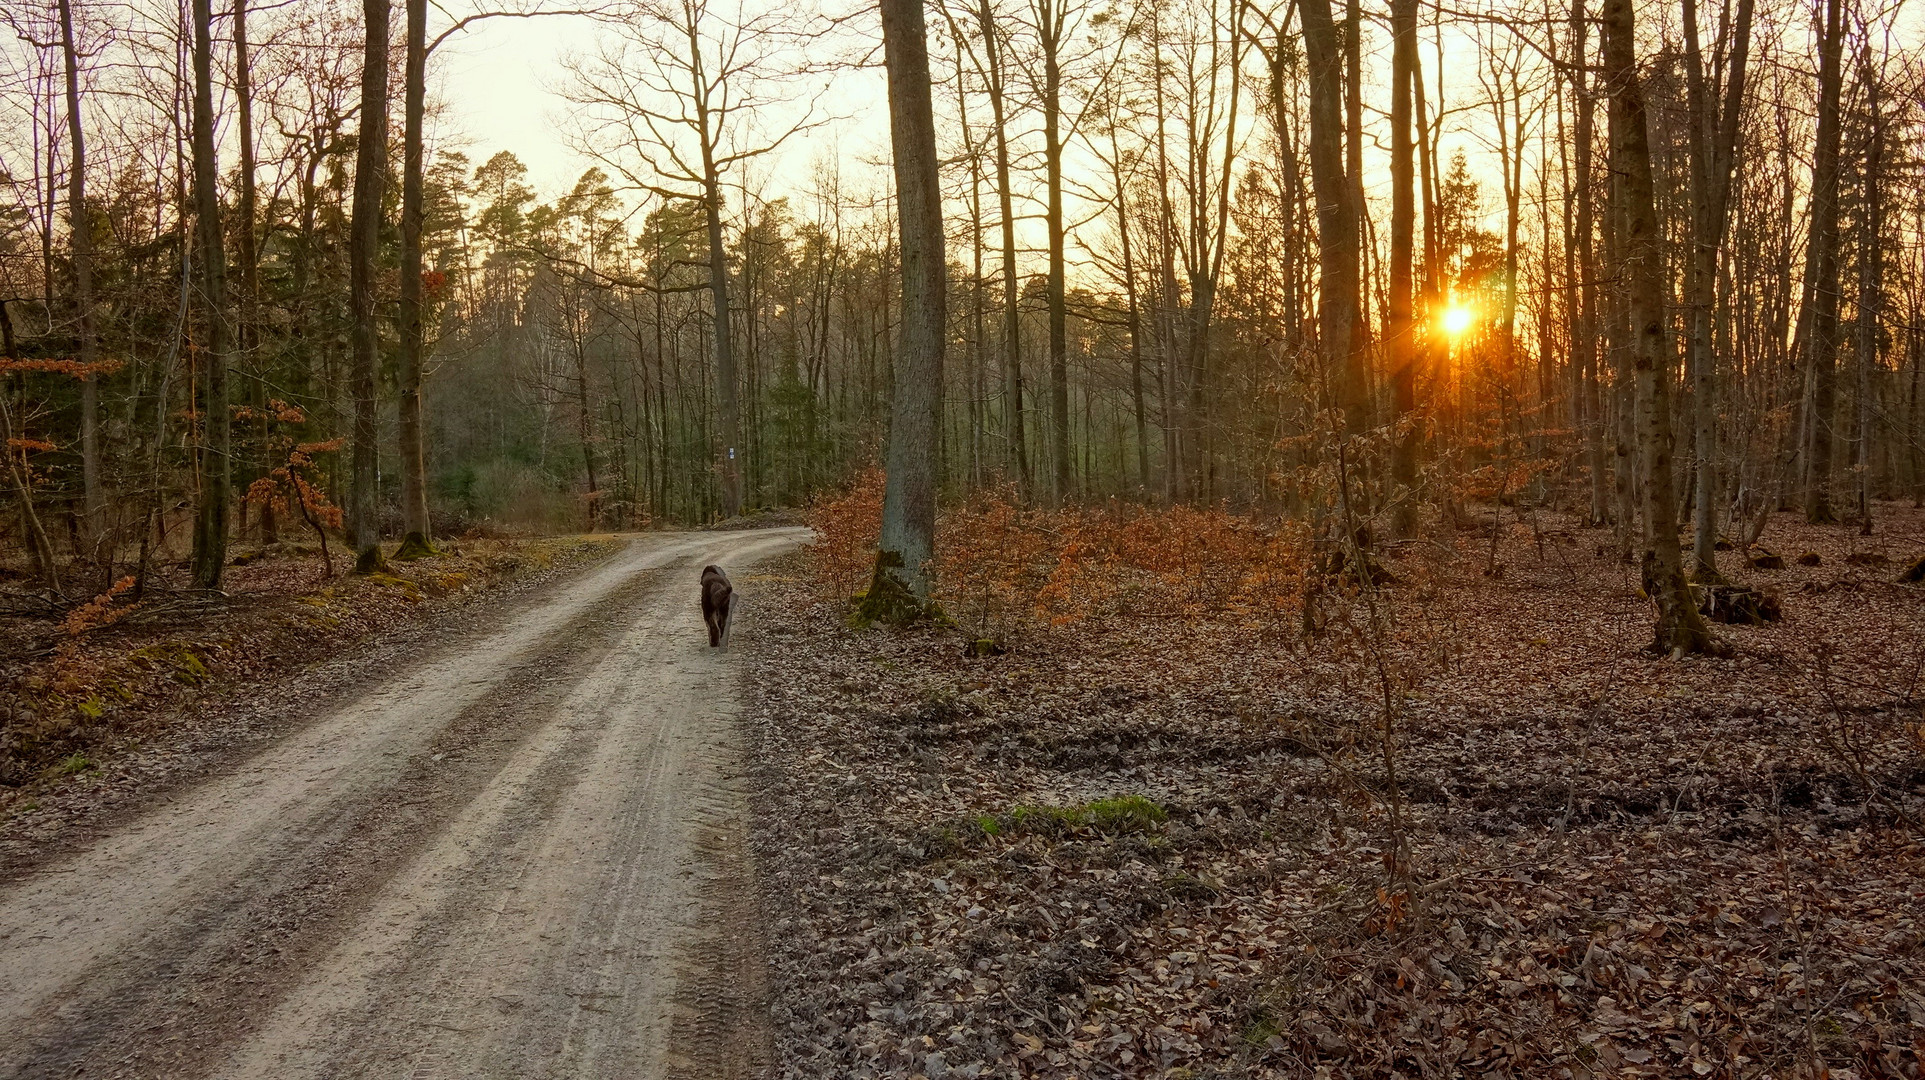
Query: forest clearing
[
  {"x": 1162, "y": 846},
  {"x": 927, "y": 539},
  {"x": 1148, "y": 833}
]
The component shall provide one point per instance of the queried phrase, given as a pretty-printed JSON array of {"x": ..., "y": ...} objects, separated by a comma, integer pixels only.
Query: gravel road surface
[{"x": 523, "y": 854}]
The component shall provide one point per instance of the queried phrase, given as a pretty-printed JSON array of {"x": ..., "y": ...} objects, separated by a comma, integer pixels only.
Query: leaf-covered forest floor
[
  {"x": 103, "y": 696},
  {"x": 1158, "y": 847}
]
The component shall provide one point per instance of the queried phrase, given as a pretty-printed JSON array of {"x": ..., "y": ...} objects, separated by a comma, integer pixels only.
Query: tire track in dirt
[{"x": 510, "y": 859}]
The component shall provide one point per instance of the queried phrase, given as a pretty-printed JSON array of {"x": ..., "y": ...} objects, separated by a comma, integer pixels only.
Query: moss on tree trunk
[
  {"x": 370, "y": 561},
  {"x": 890, "y": 599},
  {"x": 415, "y": 546}
]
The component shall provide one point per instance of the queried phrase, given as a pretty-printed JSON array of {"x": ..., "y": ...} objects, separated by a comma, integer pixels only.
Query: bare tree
[
  {"x": 415, "y": 525},
  {"x": 80, "y": 225},
  {"x": 364, "y": 240},
  {"x": 247, "y": 253},
  {"x": 1680, "y": 629},
  {"x": 1871, "y": 282},
  {"x": 673, "y": 96},
  {"x": 1818, "y": 320},
  {"x": 215, "y": 463},
  {"x": 1715, "y": 113},
  {"x": 1339, "y": 297},
  {"x": 991, "y": 67},
  {"x": 1053, "y": 29},
  {"x": 1399, "y": 329}
]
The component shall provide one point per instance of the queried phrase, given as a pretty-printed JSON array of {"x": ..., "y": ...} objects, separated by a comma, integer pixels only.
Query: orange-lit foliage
[
  {"x": 995, "y": 560},
  {"x": 999, "y": 563},
  {"x": 101, "y": 610},
  {"x": 846, "y": 527},
  {"x": 18, "y": 447},
  {"x": 296, "y": 482},
  {"x": 74, "y": 368}
]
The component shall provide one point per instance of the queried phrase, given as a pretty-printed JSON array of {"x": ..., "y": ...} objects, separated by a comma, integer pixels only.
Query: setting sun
[{"x": 1457, "y": 319}]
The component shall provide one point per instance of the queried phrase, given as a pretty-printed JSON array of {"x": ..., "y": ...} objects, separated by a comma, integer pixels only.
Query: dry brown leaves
[
  {"x": 1621, "y": 866},
  {"x": 119, "y": 669}
]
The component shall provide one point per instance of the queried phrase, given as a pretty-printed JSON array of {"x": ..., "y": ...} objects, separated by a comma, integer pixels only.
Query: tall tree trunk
[
  {"x": 1399, "y": 331},
  {"x": 907, "y": 543},
  {"x": 1433, "y": 284},
  {"x": 585, "y": 434},
  {"x": 209, "y": 558},
  {"x": 1818, "y": 324},
  {"x": 1338, "y": 296},
  {"x": 1871, "y": 289},
  {"x": 247, "y": 251},
  {"x": 1050, "y": 28},
  {"x": 1176, "y": 481},
  {"x": 1680, "y": 629},
  {"x": 364, "y": 243},
  {"x": 1135, "y": 314},
  {"x": 1584, "y": 326},
  {"x": 1713, "y": 141},
  {"x": 93, "y": 494},
  {"x": 415, "y": 524},
  {"x": 1210, "y": 245},
  {"x": 1012, "y": 284},
  {"x": 728, "y": 410},
  {"x": 977, "y": 382}
]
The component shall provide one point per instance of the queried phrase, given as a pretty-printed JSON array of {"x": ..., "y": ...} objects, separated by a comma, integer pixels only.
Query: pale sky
[
  {"x": 503, "y": 84},
  {"x": 503, "y": 81},
  {"x": 499, "y": 82}
]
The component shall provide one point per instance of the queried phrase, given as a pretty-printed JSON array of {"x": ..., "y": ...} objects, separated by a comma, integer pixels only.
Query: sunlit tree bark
[{"x": 1680, "y": 629}]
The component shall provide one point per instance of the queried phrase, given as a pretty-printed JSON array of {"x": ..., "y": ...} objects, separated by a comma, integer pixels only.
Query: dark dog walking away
[{"x": 718, "y": 602}]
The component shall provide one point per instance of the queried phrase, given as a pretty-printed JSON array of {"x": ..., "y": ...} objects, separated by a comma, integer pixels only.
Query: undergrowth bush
[{"x": 1002, "y": 566}]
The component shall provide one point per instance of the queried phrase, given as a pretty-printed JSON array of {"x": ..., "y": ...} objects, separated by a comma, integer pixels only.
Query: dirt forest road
[{"x": 523, "y": 854}]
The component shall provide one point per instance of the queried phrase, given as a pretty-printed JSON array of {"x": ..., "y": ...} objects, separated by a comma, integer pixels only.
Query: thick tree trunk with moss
[
  {"x": 364, "y": 241},
  {"x": 901, "y": 587},
  {"x": 1680, "y": 628}
]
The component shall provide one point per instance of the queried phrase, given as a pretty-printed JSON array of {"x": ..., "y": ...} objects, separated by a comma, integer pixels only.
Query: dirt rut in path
[{"x": 523, "y": 855}]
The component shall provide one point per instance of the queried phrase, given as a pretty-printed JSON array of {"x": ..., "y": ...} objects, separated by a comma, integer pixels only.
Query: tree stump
[{"x": 1737, "y": 605}]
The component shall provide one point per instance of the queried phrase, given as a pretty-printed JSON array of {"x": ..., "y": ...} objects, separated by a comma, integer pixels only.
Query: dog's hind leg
[{"x": 728, "y": 616}]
